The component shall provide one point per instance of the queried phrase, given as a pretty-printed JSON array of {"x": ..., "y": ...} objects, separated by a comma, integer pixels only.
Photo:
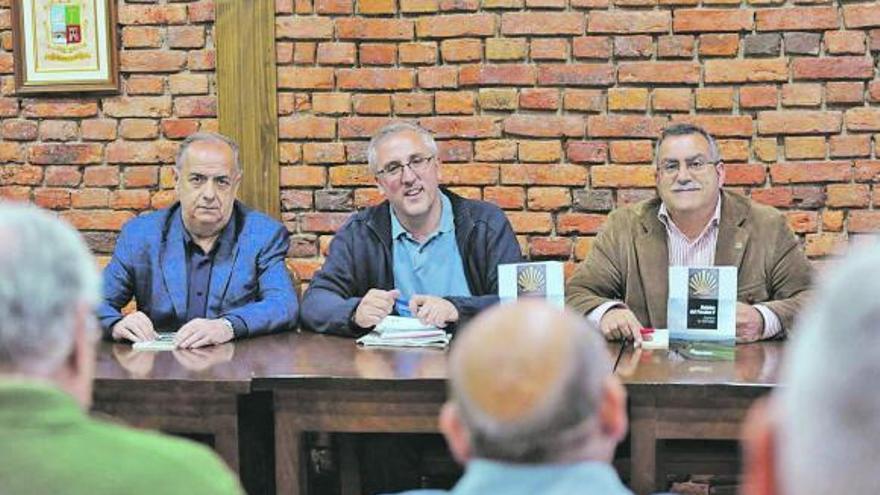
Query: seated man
[
  {"x": 533, "y": 405},
  {"x": 818, "y": 433},
  {"x": 425, "y": 250},
  {"x": 207, "y": 267},
  {"x": 48, "y": 290},
  {"x": 623, "y": 284}
]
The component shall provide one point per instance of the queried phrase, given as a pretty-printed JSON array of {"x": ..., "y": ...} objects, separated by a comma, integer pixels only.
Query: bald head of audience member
[
  {"x": 49, "y": 287},
  {"x": 819, "y": 433},
  {"x": 530, "y": 383}
]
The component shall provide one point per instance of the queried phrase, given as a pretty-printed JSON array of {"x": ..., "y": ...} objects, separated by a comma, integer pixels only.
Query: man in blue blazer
[{"x": 207, "y": 267}]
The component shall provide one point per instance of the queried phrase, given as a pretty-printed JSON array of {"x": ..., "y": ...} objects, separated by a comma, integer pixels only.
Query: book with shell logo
[
  {"x": 702, "y": 303},
  {"x": 540, "y": 279}
]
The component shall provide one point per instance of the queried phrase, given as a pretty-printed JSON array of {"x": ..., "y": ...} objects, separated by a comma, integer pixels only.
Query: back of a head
[
  {"x": 527, "y": 378},
  {"x": 46, "y": 272},
  {"x": 828, "y": 413}
]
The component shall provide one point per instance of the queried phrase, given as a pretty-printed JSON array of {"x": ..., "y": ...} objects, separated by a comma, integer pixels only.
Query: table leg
[
  {"x": 290, "y": 476},
  {"x": 643, "y": 438}
]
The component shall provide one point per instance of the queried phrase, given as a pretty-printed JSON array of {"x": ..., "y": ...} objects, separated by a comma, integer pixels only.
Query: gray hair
[
  {"x": 565, "y": 421},
  {"x": 214, "y": 137},
  {"x": 828, "y": 412},
  {"x": 685, "y": 129},
  {"x": 392, "y": 130},
  {"x": 46, "y": 274}
]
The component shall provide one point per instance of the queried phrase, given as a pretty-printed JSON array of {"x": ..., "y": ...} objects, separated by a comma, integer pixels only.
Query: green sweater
[{"x": 48, "y": 445}]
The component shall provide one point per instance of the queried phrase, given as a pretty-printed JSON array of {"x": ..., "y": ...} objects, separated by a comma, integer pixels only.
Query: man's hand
[
  {"x": 433, "y": 310},
  {"x": 374, "y": 306},
  {"x": 621, "y": 323},
  {"x": 749, "y": 324},
  {"x": 201, "y": 332},
  {"x": 135, "y": 327}
]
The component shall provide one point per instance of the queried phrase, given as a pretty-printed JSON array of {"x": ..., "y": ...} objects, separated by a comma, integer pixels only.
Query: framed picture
[{"x": 65, "y": 46}]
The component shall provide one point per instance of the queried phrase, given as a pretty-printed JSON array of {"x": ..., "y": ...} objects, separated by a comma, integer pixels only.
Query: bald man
[{"x": 534, "y": 406}]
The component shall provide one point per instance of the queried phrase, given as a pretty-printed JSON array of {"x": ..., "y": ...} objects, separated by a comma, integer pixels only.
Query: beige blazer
[{"x": 629, "y": 261}]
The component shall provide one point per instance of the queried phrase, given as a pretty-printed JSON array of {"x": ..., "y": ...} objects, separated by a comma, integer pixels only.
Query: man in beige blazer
[{"x": 623, "y": 284}]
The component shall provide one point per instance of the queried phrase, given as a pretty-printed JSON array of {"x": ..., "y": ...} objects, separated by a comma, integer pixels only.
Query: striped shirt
[{"x": 697, "y": 252}]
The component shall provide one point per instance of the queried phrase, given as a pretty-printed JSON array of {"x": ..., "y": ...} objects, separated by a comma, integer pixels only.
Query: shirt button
[{"x": 199, "y": 293}]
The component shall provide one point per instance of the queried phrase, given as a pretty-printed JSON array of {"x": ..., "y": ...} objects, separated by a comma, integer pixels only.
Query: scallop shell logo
[
  {"x": 530, "y": 280},
  {"x": 703, "y": 284}
]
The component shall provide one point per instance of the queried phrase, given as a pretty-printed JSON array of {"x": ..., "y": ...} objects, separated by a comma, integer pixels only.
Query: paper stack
[
  {"x": 164, "y": 342},
  {"x": 401, "y": 331}
]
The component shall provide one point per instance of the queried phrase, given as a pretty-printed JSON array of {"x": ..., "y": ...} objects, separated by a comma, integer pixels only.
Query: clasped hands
[
  {"x": 199, "y": 332},
  {"x": 621, "y": 323},
  {"x": 430, "y": 310}
]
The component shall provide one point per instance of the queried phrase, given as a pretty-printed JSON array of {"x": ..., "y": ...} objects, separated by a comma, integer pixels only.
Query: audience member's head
[
  {"x": 49, "y": 286},
  {"x": 530, "y": 383},
  {"x": 819, "y": 432}
]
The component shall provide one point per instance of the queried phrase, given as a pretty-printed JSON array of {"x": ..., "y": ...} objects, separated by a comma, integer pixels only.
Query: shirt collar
[
  {"x": 225, "y": 236},
  {"x": 447, "y": 221},
  {"x": 25, "y": 402},
  {"x": 663, "y": 215}
]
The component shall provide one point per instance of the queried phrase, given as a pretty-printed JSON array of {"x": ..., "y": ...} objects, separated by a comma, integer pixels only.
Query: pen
[{"x": 402, "y": 307}]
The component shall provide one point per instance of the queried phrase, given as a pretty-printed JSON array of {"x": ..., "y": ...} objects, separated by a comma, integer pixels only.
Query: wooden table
[{"x": 676, "y": 398}]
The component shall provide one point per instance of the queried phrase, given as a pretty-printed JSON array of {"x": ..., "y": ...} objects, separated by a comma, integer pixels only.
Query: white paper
[{"x": 164, "y": 342}]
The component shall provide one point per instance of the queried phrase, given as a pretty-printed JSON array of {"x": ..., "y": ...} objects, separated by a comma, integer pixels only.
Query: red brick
[
  {"x": 778, "y": 197},
  {"x": 592, "y": 47},
  {"x": 720, "y": 98},
  {"x": 461, "y": 127},
  {"x": 863, "y": 119},
  {"x": 742, "y": 71},
  {"x": 675, "y": 46},
  {"x": 542, "y": 23},
  {"x": 20, "y": 175},
  {"x": 459, "y": 5},
  {"x": 141, "y": 37},
  {"x": 659, "y": 72},
  {"x": 832, "y": 68},
  {"x": 101, "y": 176},
  {"x": 758, "y": 97},
  {"x": 188, "y": 84},
  {"x": 801, "y": 147},
  {"x": 798, "y": 122},
  {"x": 202, "y": 11},
  {"x": 734, "y": 150},
  {"x": 721, "y": 125},
  {"x": 549, "y": 247},
  {"x": 361, "y": 127},
  {"x": 506, "y": 75},
  {"x": 861, "y": 221},
  {"x": 844, "y": 92},
  {"x": 201, "y": 59},
  {"x": 534, "y": 174},
  {"x": 719, "y": 45},
  {"x": 624, "y": 22},
  {"x": 549, "y": 49},
  {"x": 90, "y": 198},
  {"x": 456, "y": 26},
  {"x": 584, "y": 100},
  {"x": 508, "y": 198},
  {"x": 672, "y": 99},
  {"x": 65, "y": 154},
  {"x": 461, "y": 50},
  {"x": 137, "y": 106},
  {"x": 824, "y": 243},
  {"x": 138, "y": 84},
  {"x": 334, "y": 6},
  {"x": 58, "y": 130},
  {"x": 862, "y": 16},
  {"x": 62, "y": 176},
  {"x": 305, "y": 78},
  {"x": 179, "y": 128},
  {"x": 637, "y": 46},
  {"x": 307, "y": 127},
  {"x": 59, "y": 108},
  {"x": 195, "y": 106},
  {"x": 11, "y": 152},
  {"x": 186, "y": 37},
  {"x": 586, "y": 151},
  {"x": 15, "y": 193},
  {"x": 375, "y": 79},
  {"x": 850, "y": 146},
  {"x": 576, "y": 75},
  {"x": 848, "y": 196},
  {"x": 530, "y": 222},
  {"x": 622, "y": 176},
  {"x": 549, "y": 198},
  {"x": 438, "y": 77},
  {"x": 376, "y": 7},
  {"x": 97, "y": 219},
  {"x": 320, "y": 153},
  {"x": 496, "y": 150},
  {"x": 419, "y": 6},
  {"x": 374, "y": 29},
  {"x": 802, "y": 221},
  {"x": 744, "y": 174},
  {"x": 801, "y": 95},
  {"x": 300, "y": 176},
  {"x": 351, "y": 175},
  {"x": 712, "y": 20},
  {"x": 625, "y": 126},
  {"x": 454, "y": 102},
  {"x": 130, "y": 200},
  {"x": 52, "y": 198},
  {"x": 455, "y": 151},
  {"x": 544, "y": 126},
  {"x": 637, "y": 151},
  {"x": 413, "y": 104},
  {"x": 378, "y": 54},
  {"x": 20, "y": 130},
  {"x": 579, "y": 223},
  {"x": 152, "y": 14},
  {"x": 418, "y": 53},
  {"x": 152, "y": 61},
  {"x": 9, "y": 107},
  {"x": 141, "y": 152},
  {"x": 797, "y": 19},
  {"x": 867, "y": 170},
  {"x": 469, "y": 174},
  {"x": 303, "y": 28},
  {"x": 138, "y": 129},
  {"x": 370, "y": 104},
  {"x": 844, "y": 42},
  {"x": 801, "y": 172},
  {"x": 539, "y": 99}
]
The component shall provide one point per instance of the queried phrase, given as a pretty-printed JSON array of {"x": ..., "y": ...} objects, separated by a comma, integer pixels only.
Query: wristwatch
[{"x": 228, "y": 323}]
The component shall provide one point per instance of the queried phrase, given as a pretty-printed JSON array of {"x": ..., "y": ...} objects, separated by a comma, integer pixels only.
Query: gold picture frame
[{"x": 65, "y": 46}]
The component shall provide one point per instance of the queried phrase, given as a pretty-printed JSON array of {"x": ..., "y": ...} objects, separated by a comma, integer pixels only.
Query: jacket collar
[{"x": 653, "y": 254}]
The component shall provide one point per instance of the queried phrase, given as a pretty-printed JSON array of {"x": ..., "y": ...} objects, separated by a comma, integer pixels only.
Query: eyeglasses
[
  {"x": 696, "y": 165},
  {"x": 416, "y": 163}
]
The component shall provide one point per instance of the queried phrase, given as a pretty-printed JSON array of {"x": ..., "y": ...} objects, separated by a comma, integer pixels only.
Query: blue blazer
[{"x": 249, "y": 278}]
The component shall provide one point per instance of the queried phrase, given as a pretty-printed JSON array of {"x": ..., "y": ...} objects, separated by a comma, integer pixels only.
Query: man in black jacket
[{"x": 424, "y": 252}]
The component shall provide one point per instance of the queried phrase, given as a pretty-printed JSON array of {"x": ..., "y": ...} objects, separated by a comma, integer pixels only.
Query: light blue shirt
[
  {"x": 433, "y": 267},
  {"x": 490, "y": 477}
]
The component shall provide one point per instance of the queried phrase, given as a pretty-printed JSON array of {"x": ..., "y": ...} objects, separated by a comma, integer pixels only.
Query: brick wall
[
  {"x": 548, "y": 108},
  {"x": 101, "y": 160}
]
